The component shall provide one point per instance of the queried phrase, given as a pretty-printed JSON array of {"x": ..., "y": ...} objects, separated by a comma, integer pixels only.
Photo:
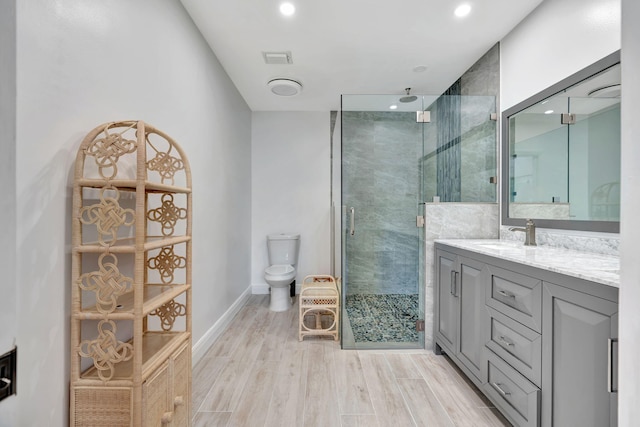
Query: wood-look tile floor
[{"x": 258, "y": 374}]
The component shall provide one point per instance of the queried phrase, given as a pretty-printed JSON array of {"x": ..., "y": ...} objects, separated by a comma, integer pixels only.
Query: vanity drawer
[
  {"x": 516, "y": 295},
  {"x": 518, "y": 398},
  {"x": 518, "y": 345}
]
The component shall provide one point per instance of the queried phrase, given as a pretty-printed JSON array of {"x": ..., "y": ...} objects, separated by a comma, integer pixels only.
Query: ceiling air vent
[{"x": 277, "y": 57}]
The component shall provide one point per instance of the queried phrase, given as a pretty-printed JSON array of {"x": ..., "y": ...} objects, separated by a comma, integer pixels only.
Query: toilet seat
[{"x": 280, "y": 270}]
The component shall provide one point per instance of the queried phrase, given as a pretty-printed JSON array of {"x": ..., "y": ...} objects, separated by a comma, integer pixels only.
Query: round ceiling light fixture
[
  {"x": 287, "y": 9},
  {"x": 285, "y": 87},
  {"x": 462, "y": 10}
]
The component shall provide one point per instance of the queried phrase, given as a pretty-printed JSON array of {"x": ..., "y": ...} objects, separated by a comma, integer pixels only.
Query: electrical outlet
[{"x": 8, "y": 373}]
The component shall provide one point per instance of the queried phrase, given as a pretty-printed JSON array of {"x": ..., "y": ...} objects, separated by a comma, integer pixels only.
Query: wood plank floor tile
[
  {"x": 211, "y": 419},
  {"x": 360, "y": 421},
  {"x": 321, "y": 405},
  {"x": 353, "y": 393},
  {"x": 287, "y": 403},
  {"x": 387, "y": 399},
  {"x": 402, "y": 366},
  {"x": 258, "y": 374},
  {"x": 254, "y": 401},
  {"x": 227, "y": 342},
  {"x": 226, "y": 391},
  {"x": 460, "y": 401},
  {"x": 205, "y": 374},
  {"x": 424, "y": 406}
]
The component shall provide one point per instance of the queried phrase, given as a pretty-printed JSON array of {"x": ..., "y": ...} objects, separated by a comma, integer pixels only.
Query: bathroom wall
[
  {"x": 290, "y": 189},
  {"x": 594, "y": 33},
  {"x": 381, "y": 181},
  {"x": 557, "y": 39},
  {"x": 8, "y": 287},
  {"x": 629, "y": 320},
  {"x": 84, "y": 63}
]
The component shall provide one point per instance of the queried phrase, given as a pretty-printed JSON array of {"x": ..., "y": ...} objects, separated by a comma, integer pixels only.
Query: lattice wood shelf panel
[{"x": 131, "y": 279}]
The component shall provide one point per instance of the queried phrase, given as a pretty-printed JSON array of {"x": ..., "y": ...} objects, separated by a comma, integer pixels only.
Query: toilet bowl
[
  {"x": 281, "y": 273},
  {"x": 279, "y": 278}
]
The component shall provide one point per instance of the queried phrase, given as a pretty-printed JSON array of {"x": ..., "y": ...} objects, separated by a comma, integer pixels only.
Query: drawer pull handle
[
  {"x": 610, "y": 359},
  {"x": 505, "y": 341},
  {"x": 454, "y": 283},
  {"x": 500, "y": 390},
  {"x": 506, "y": 294},
  {"x": 178, "y": 401}
]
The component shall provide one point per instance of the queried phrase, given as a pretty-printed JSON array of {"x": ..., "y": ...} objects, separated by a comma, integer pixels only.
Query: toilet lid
[{"x": 279, "y": 269}]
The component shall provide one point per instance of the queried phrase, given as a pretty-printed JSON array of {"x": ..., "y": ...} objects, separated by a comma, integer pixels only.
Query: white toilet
[{"x": 283, "y": 257}]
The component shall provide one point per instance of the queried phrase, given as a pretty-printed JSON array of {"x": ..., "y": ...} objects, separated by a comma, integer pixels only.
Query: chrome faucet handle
[{"x": 529, "y": 232}]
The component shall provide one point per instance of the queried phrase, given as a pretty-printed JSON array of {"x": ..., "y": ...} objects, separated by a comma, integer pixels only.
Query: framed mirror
[{"x": 561, "y": 153}]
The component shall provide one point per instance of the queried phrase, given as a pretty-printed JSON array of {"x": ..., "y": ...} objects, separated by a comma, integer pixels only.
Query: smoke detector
[{"x": 285, "y": 87}]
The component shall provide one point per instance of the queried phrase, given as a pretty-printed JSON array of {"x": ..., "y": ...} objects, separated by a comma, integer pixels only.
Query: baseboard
[{"x": 204, "y": 344}]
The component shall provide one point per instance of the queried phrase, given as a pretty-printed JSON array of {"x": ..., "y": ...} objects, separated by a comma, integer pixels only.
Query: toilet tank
[{"x": 283, "y": 248}]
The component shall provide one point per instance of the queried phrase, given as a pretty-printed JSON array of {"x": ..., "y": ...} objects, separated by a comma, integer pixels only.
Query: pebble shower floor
[{"x": 383, "y": 318}]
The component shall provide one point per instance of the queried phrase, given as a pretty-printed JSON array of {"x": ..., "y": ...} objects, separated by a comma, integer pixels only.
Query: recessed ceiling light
[
  {"x": 462, "y": 10},
  {"x": 549, "y": 112},
  {"x": 419, "y": 69},
  {"x": 287, "y": 9},
  {"x": 393, "y": 107}
]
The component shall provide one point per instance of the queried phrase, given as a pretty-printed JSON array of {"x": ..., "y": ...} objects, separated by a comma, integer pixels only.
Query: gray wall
[
  {"x": 381, "y": 180},
  {"x": 460, "y": 142}
]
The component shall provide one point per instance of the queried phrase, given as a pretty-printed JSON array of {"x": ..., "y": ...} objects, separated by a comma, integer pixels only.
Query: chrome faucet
[{"x": 529, "y": 233}]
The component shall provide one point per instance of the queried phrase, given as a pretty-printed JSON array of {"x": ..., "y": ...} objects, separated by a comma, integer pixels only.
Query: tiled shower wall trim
[{"x": 599, "y": 243}]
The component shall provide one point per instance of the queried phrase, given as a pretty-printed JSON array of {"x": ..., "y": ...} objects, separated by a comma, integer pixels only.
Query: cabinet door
[
  {"x": 181, "y": 363},
  {"x": 447, "y": 301},
  {"x": 577, "y": 358},
  {"x": 155, "y": 397},
  {"x": 471, "y": 281}
]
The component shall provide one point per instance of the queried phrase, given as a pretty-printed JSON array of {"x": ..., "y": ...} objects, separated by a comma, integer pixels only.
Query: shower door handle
[{"x": 352, "y": 222}]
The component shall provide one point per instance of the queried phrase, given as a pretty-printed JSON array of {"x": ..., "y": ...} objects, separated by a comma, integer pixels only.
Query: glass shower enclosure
[
  {"x": 390, "y": 158},
  {"x": 382, "y": 245}
]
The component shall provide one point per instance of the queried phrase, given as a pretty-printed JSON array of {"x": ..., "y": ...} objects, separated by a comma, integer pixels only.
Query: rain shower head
[{"x": 408, "y": 98}]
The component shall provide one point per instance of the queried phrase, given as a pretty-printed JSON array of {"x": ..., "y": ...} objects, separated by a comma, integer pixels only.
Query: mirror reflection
[{"x": 564, "y": 153}]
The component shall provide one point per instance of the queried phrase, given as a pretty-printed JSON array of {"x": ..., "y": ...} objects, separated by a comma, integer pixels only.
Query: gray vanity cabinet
[
  {"x": 579, "y": 379},
  {"x": 460, "y": 304},
  {"x": 447, "y": 307},
  {"x": 541, "y": 345}
]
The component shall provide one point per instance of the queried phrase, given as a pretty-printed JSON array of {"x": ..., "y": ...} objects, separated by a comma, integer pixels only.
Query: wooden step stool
[{"x": 319, "y": 296}]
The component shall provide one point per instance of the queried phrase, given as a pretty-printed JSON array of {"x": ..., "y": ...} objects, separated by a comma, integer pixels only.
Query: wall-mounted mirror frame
[{"x": 566, "y": 224}]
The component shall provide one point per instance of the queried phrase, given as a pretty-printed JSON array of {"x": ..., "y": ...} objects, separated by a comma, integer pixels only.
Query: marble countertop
[{"x": 597, "y": 268}]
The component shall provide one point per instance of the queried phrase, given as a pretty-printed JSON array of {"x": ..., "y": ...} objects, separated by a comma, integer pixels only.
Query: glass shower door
[{"x": 382, "y": 271}]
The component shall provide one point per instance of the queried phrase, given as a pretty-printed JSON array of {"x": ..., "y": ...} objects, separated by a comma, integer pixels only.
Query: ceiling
[{"x": 350, "y": 46}]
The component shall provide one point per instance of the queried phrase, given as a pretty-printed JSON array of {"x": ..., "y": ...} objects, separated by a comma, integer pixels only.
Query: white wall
[
  {"x": 290, "y": 158},
  {"x": 557, "y": 39},
  {"x": 590, "y": 39},
  {"x": 84, "y": 63},
  {"x": 8, "y": 290},
  {"x": 629, "y": 316}
]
